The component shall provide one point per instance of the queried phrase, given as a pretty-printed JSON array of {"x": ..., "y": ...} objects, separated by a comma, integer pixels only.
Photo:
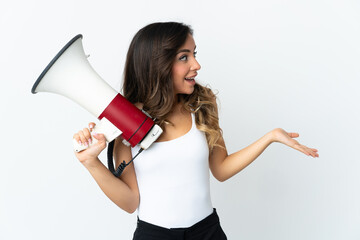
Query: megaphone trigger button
[{"x": 155, "y": 133}]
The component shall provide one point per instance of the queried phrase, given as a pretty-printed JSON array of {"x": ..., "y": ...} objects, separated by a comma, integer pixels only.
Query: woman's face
[{"x": 185, "y": 68}]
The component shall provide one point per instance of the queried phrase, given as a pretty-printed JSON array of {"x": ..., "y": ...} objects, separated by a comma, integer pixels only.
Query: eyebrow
[{"x": 185, "y": 50}]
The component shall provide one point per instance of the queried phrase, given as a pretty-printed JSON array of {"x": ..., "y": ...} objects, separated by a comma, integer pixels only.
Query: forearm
[
  {"x": 234, "y": 163},
  {"x": 114, "y": 188}
]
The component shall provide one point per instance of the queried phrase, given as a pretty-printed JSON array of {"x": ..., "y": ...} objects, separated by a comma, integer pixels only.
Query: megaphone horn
[{"x": 71, "y": 75}]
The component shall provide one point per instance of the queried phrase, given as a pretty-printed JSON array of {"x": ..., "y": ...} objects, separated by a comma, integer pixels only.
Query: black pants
[{"x": 207, "y": 229}]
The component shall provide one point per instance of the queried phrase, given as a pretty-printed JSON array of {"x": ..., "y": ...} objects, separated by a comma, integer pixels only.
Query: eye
[
  {"x": 183, "y": 58},
  {"x": 195, "y": 54}
]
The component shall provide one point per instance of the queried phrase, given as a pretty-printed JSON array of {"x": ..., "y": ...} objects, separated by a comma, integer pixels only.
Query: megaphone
[{"x": 70, "y": 74}]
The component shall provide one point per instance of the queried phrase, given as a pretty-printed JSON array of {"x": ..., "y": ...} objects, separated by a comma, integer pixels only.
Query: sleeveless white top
[{"x": 173, "y": 180}]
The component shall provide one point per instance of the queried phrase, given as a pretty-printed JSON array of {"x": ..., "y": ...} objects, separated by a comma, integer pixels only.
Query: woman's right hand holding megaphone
[{"x": 92, "y": 142}]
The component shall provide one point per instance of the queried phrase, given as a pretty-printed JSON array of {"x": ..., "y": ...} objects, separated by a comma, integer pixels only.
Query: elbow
[
  {"x": 132, "y": 205},
  {"x": 220, "y": 178},
  {"x": 131, "y": 208},
  {"x": 223, "y": 176}
]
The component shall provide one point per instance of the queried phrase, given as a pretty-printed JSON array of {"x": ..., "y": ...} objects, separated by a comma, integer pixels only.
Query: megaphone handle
[
  {"x": 105, "y": 127},
  {"x": 79, "y": 148}
]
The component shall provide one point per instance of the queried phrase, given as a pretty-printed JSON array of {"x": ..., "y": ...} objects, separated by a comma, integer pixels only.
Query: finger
[
  {"x": 91, "y": 126},
  {"x": 293, "y": 135},
  {"x": 99, "y": 136},
  {"x": 312, "y": 152},
  {"x": 306, "y": 150},
  {"x": 309, "y": 151},
  {"x": 315, "y": 155},
  {"x": 297, "y": 146},
  {"x": 83, "y": 140},
  {"x": 77, "y": 138},
  {"x": 303, "y": 149},
  {"x": 87, "y": 135},
  {"x": 101, "y": 140}
]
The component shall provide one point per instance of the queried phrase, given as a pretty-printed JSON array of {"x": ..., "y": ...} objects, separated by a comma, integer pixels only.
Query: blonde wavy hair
[
  {"x": 147, "y": 78},
  {"x": 202, "y": 102}
]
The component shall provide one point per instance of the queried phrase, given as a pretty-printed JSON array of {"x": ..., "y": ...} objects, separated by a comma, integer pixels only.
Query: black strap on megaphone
[{"x": 122, "y": 165}]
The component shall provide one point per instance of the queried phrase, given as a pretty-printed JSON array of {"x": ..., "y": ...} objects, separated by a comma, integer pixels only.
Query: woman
[{"x": 169, "y": 182}]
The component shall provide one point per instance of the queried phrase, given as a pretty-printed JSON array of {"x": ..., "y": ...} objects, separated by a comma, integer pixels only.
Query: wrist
[
  {"x": 91, "y": 163},
  {"x": 270, "y": 137}
]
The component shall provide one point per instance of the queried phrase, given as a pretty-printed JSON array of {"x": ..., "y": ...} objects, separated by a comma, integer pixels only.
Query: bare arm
[
  {"x": 122, "y": 191},
  {"x": 224, "y": 166}
]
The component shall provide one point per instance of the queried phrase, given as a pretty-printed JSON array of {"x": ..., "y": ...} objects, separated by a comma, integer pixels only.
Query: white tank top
[{"x": 173, "y": 179}]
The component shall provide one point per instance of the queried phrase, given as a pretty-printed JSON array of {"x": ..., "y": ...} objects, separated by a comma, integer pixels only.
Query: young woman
[{"x": 169, "y": 182}]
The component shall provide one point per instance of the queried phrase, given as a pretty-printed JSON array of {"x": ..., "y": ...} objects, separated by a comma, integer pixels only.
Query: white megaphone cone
[{"x": 71, "y": 75}]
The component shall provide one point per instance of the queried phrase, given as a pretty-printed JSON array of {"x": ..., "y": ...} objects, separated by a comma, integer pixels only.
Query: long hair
[{"x": 147, "y": 78}]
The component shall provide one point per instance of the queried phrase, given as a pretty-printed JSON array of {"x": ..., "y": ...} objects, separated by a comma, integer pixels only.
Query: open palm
[{"x": 281, "y": 136}]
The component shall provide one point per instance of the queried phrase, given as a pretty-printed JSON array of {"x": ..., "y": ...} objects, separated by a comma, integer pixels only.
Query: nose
[{"x": 195, "y": 66}]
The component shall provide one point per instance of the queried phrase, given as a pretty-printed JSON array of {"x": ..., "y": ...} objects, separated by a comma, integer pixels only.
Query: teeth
[{"x": 190, "y": 78}]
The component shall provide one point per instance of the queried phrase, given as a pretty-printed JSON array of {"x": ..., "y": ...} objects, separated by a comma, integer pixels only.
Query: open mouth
[{"x": 190, "y": 79}]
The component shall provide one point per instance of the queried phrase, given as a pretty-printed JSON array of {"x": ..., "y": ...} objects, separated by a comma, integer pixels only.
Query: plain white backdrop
[{"x": 289, "y": 64}]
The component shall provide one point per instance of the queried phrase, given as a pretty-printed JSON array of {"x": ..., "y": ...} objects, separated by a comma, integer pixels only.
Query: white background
[{"x": 289, "y": 64}]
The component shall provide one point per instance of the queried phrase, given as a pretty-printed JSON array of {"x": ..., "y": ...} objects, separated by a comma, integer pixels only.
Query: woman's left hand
[{"x": 281, "y": 136}]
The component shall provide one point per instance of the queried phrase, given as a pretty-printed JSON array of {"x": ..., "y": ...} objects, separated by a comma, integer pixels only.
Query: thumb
[
  {"x": 99, "y": 140},
  {"x": 293, "y": 135},
  {"x": 99, "y": 136}
]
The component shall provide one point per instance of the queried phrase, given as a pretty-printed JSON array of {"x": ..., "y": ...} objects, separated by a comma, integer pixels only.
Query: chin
[
  {"x": 186, "y": 90},
  {"x": 189, "y": 92}
]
